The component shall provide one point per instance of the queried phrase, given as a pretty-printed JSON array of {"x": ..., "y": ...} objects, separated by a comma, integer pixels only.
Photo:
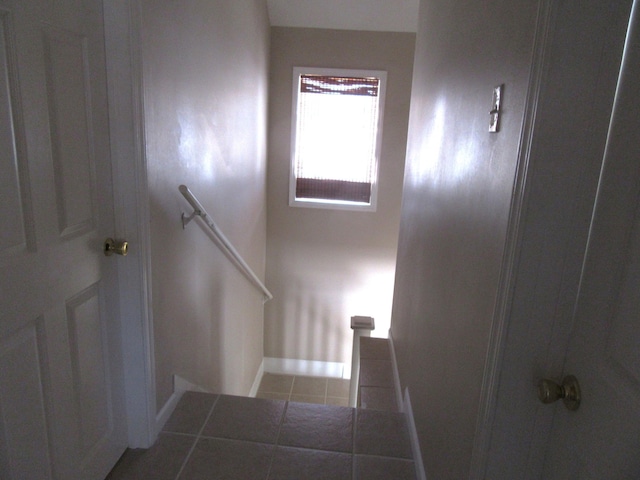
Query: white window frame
[{"x": 325, "y": 203}]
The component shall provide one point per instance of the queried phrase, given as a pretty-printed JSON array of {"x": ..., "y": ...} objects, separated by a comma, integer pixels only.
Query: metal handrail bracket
[{"x": 224, "y": 243}]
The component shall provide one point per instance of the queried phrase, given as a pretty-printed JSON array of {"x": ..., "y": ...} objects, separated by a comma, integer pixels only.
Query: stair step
[
  {"x": 376, "y": 389},
  {"x": 241, "y": 437}
]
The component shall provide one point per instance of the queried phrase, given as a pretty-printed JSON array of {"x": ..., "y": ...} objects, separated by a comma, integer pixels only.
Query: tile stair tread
[
  {"x": 375, "y": 382},
  {"x": 370, "y": 455}
]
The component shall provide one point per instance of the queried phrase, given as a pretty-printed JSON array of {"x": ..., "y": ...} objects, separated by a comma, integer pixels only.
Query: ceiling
[{"x": 376, "y": 15}]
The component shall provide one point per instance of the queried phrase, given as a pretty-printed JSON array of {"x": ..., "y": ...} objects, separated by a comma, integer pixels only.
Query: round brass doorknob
[
  {"x": 111, "y": 246},
  {"x": 549, "y": 391}
]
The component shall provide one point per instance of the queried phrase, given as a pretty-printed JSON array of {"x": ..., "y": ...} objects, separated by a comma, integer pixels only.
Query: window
[{"x": 336, "y": 136}]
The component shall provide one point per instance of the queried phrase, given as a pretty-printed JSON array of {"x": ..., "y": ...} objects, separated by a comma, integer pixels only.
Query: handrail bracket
[{"x": 186, "y": 220}]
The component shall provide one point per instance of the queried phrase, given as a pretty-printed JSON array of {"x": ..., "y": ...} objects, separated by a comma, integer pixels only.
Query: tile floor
[
  {"x": 375, "y": 383},
  {"x": 217, "y": 437},
  {"x": 296, "y": 388}
]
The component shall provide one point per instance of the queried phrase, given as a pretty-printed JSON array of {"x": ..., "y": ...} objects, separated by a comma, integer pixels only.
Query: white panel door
[
  {"x": 61, "y": 391},
  {"x": 601, "y": 440}
]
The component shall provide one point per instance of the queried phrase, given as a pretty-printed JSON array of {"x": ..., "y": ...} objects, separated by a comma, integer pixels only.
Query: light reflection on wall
[
  {"x": 428, "y": 149},
  {"x": 463, "y": 163},
  {"x": 430, "y": 168},
  {"x": 369, "y": 295},
  {"x": 197, "y": 144}
]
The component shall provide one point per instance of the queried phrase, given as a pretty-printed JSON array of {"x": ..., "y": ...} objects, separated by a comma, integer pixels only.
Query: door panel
[
  {"x": 61, "y": 387},
  {"x": 624, "y": 330},
  {"x": 69, "y": 94},
  {"x": 89, "y": 371},
  {"x": 602, "y": 439},
  {"x": 24, "y": 443},
  {"x": 15, "y": 210}
]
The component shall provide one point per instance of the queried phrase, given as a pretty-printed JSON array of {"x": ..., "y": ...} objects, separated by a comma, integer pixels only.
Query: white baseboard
[
  {"x": 183, "y": 385},
  {"x": 311, "y": 368},
  {"x": 396, "y": 375},
  {"x": 256, "y": 382},
  {"x": 180, "y": 385},
  {"x": 413, "y": 437}
]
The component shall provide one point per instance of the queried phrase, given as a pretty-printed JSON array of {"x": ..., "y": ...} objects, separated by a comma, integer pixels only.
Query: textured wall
[
  {"x": 205, "y": 89},
  {"x": 456, "y": 201},
  {"x": 326, "y": 265}
]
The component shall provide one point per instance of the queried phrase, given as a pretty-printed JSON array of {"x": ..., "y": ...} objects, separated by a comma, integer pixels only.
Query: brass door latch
[
  {"x": 111, "y": 246},
  {"x": 549, "y": 391}
]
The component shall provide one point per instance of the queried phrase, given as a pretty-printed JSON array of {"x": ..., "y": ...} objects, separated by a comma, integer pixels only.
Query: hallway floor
[
  {"x": 217, "y": 437},
  {"x": 297, "y": 388}
]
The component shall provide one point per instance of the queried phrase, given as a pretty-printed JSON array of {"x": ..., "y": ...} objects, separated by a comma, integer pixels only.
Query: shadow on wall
[
  {"x": 183, "y": 303},
  {"x": 317, "y": 320},
  {"x": 202, "y": 308},
  {"x": 313, "y": 335},
  {"x": 317, "y": 332}
]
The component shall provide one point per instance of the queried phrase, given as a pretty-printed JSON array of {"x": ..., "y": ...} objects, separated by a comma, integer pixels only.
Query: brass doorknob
[
  {"x": 549, "y": 391},
  {"x": 111, "y": 246}
]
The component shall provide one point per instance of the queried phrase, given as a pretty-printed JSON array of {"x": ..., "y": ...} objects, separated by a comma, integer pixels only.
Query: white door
[
  {"x": 601, "y": 440},
  {"x": 61, "y": 394}
]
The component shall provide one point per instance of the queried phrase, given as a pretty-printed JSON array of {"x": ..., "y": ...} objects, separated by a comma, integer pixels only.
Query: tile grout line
[
  {"x": 387, "y": 457},
  {"x": 293, "y": 382},
  {"x": 193, "y": 447},
  {"x": 275, "y": 445}
]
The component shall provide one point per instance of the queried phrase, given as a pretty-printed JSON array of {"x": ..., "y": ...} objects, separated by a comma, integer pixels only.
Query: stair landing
[{"x": 227, "y": 437}]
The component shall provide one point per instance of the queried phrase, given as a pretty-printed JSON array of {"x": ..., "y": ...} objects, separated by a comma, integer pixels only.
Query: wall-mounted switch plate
[{"x": 494, "y": 125}]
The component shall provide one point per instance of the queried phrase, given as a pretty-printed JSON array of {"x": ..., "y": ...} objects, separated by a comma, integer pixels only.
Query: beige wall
[
  {"x": 323, "y": 266},
  {"x": 457, "y": 195},
  {"x": 205, "y": 91}
]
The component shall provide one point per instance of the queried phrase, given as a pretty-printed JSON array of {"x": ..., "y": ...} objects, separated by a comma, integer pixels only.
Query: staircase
[{"x": 211, "y": 436}]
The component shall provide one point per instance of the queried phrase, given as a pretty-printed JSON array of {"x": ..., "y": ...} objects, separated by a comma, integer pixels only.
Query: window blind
[{"x": 337, "y": 127}]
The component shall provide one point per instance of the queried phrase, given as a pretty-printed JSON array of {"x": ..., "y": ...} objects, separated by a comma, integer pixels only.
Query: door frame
[
  {"x": 508, "y": 271},
  {"x": 131, "y": 211}
]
